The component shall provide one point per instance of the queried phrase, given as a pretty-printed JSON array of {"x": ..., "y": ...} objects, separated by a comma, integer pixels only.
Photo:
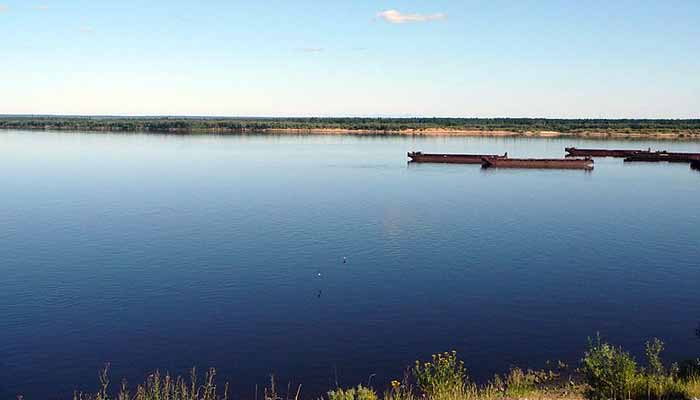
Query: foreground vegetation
[
  {"x": 605, "y": 372},
  {"x": 678, "y": 127}
]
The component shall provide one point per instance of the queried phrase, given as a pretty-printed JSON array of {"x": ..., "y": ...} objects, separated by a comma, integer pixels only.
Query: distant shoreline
[
  {"x": 431, "y": 132},
  {"x": 496, "y": 133},
  {"x": 662, "y": 129}
]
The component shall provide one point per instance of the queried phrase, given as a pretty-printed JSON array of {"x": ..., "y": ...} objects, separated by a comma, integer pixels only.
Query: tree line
[{"x": 184, "y": 124}]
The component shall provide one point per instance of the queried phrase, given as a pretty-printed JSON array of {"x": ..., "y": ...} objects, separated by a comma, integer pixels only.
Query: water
[{"x": 167, "y": 252}]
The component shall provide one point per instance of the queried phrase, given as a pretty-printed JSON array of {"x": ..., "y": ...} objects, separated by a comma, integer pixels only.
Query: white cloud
[
  {"x": 397, "y": 17},
  {"x": 86, "y": 29},
  {"x": 3, "y": 8},
  {"x": 41, "y": 7}
]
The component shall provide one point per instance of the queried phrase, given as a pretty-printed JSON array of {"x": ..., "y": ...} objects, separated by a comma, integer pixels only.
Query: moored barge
[
  {"x": 690, "y": 156},
  {"x": 574, "y": 152},
  {"x": 695, "y": 165},
  {"x": 539, "y": 163},
  {"x": 661, "y": 156},
  {"x": 420, "y": 157}
]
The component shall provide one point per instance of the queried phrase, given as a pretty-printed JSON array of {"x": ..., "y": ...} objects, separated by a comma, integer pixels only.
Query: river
[{"x": 327, "y": 259}]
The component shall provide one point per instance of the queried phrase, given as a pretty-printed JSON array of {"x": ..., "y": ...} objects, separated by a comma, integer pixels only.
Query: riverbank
[
  {"x": 442, "y": 378},
  {"x": 612, "y": 135},
  {"x": 605, "y": 372},
  {"x": 494, "y": 133},
  {"x": 488, "y": 127}
]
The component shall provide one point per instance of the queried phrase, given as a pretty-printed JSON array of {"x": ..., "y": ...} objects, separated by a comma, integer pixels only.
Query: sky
[{"x": 460, "y": 58}]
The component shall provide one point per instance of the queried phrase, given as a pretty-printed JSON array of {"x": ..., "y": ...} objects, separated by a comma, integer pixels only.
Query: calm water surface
[{"x": 167, "y": 252}]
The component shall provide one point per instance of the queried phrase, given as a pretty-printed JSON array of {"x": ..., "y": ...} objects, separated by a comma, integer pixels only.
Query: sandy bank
[
  {"x": 689, "y": 135},
  {"x": 497, "y": 133}
]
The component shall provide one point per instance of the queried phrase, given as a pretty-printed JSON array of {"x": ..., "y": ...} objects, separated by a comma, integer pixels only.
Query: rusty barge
[
  {"x": 539, "y": 163},
  {"x": 420, "y": 157},
  {"x": 661, "y": 156},
  {"x": 574, "y": 152}
]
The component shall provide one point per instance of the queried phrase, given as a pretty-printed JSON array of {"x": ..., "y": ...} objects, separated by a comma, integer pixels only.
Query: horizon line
[{"x": 192, "y": 116}]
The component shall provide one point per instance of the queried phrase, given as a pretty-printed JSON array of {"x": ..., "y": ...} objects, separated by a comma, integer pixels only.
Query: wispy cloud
[
  {"x": 311, "y": 49},
  {"x": 397, "y": 17},
  {"x": 3, "y": 8},
  {"x": 41, "y": 7},
  {"x": 86, "y": 29}
]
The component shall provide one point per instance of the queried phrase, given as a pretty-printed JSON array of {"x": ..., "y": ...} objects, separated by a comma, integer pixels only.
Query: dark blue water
[{"x": 170, "y": 252}]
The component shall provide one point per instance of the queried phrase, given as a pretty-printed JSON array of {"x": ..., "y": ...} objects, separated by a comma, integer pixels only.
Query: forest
[{"x": 379, "y": 125}]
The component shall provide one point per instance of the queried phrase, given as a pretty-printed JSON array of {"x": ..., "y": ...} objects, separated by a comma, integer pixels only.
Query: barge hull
[
  {"x": 419, "y": 157},
  {"x": 574, "y": 152},
  {"x": 536, "y": 163},
  {"x": 664, "y": 157}
]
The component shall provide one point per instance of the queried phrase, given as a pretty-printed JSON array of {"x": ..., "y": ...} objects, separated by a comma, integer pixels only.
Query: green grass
[
  {"x": 442, "y": 378},
  {"x": 606, "y": 372},
  {"x": 162, "y": 387}
]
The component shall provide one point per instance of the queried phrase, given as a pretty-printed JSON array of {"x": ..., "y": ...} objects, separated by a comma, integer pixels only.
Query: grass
[
  {"x": 442, "y": 378},
  {"x": 692, "y": 387},
  {"x": 606, "y": 372},
  {"x": 163, "y": 387}
]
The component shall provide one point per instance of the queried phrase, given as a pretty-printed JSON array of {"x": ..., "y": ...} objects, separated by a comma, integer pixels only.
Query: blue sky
[{"x": 592, "y": 59}]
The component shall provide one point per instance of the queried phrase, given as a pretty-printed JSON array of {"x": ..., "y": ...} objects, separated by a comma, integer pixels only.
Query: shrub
[
  {"x": 609, "y": 371},
  {"x": 359, "y": 393},
  {"x": 612, "y": 373},
  {"x": 653, "y": 351},
  {"x": 444, "y": 374}
]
